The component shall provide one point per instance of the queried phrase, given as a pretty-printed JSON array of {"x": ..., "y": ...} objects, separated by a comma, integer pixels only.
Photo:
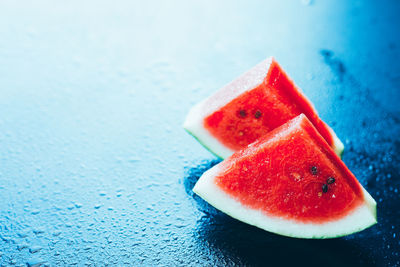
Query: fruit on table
[
  {"x": 250, "y": 106},
  {"x": 292, "y": 183}
]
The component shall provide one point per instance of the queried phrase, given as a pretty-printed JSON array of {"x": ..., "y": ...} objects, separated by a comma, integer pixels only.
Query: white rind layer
[
  {"x": 194, "y": 125},
  {"x": 359, "y": 219},
  {"x": 194, "y": 122}
]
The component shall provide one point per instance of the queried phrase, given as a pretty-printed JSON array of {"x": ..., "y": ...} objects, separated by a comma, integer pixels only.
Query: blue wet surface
[{"x": 95, "y": 168}]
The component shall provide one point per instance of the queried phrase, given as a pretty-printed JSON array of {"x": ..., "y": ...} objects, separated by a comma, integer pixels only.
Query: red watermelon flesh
[
  {"x": 290, "y": 166},
  {"x": 251, "y": 106},
  {"x": 294, "y": 177}
]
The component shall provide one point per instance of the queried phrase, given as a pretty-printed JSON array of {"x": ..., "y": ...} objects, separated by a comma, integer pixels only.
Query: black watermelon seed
[
  {"x": 314, "y": 170},
  {"x": 257, "y": 114},
  {"x": 324, "y": 188},
  {"x": 242, "y": 113},
  {"x": 330, "y": 180}
]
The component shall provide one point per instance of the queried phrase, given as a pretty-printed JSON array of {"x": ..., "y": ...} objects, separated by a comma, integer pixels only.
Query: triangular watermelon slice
[
  {"x": 255, "y": 103},
  {"x": 292, "y": 183}
]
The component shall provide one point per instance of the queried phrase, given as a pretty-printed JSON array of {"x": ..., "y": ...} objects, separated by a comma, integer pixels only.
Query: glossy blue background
[{"x": 95, "y": 168}]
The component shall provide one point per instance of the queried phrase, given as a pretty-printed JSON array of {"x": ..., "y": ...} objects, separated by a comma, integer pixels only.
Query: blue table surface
[{"x": 95, "y": 168}]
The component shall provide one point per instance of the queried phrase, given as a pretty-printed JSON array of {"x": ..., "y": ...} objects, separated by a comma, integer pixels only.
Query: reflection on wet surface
[{"x": 238, "y": 243}]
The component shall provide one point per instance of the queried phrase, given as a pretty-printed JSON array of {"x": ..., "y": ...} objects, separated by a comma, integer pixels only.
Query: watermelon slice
[
  {"x": 292, "y": 183},
  {"x": 255, "y": 103}
]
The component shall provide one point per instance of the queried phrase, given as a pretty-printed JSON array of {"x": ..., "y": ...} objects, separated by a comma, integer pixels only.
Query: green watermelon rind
[
  {"x": 204, "y": 145},
  {"x": 362, "y": 217},
  {"x": 194, "y": 123}
]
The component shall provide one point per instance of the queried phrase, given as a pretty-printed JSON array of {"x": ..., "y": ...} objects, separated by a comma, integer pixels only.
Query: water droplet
[
  {"x": 22, "y": 234},
  {"x": 56, "y": 233},
  {"x": 181, "y": 225},
  {"x": 5, "y": 238},
  {"x": 97, "y": 206},
  {"x": 135, "y": 159},
  {"x": 35, "y": 249},
  {"x": 78, "y": 205},
  {"x": 22, "y": 246},
  {"x": 35, "y": 262},
  {"x": 38, "y": 231},
  {"x": 35, "y": 211},
  {"x": 102, "y": 193}
]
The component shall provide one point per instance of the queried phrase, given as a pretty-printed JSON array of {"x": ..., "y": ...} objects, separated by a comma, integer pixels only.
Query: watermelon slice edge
[
  {"x": 359, "y": 217},
  {"x": 258, "y": 75}
]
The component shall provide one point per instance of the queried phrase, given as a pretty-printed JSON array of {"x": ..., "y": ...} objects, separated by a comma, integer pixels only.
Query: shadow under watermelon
[{"x": 231, "y": 242}]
